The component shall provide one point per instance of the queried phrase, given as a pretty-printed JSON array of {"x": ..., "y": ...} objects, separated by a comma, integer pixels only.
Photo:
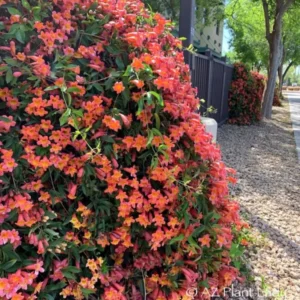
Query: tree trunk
[
  {"x": 280, "y": 76},
  {"x": 275, "y": 57},
  {"x": 280, "y": 69},
  {"x": 287, "y": 69},
  {"x": 274, "y": 39},
  {"x": 271, "y": 83}
]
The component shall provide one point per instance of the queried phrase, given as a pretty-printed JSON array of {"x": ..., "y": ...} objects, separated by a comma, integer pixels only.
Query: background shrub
[
  {"x": 245, "y": 96},
  {"x": 110, "y": 186},
  {"x": 277, "y": 98}
]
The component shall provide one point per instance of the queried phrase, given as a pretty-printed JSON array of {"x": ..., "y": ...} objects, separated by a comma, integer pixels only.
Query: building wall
[{"x": 209, "y": 38}]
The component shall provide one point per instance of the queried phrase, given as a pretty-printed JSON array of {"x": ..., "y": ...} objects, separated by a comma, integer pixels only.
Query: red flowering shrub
[
  {"x": 110, "y": 186},
  {"x": 245, "y": 96}
]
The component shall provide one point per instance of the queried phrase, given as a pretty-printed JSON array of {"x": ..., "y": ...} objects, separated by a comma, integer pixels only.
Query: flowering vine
[{"x": 110, "y": 186}]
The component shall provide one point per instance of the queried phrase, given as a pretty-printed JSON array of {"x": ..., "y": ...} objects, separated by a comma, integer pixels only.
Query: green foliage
[
  {"x": 208, "y": 10},
  {"x": 249, "y": 33},
  {"x": 245, "y": 96}
]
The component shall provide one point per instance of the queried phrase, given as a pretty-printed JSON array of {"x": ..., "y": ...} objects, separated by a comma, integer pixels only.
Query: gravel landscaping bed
[{"x": 268, "y": 191}]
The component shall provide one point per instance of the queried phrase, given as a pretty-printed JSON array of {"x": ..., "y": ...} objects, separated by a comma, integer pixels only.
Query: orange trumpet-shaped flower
[
  {"x": 111, "y": 123},
  {"x": 137, "y": 64},
  {"x": 72, "y": 188},
  {"x": 119, "y": 87},
  {"x": 205, "y": 240}
]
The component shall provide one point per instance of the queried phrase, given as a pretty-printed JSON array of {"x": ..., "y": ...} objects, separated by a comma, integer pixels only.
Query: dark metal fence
[{"x": 212, "y": 77}]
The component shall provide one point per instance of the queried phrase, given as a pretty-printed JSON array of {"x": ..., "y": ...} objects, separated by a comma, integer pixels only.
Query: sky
[{"x": 226, "y": 39}]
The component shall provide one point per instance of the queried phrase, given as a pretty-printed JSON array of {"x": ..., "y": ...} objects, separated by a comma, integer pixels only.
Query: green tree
[
  {"x": 291, "y": 43},
  {"x": 207, "y": 10},
  {"x": 274, "y": 12},
  {"x": 266, "y": 28},
  {"x": 248, "y": 36}
]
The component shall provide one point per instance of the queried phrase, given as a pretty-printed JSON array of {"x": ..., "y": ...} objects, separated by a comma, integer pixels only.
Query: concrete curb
[{"x": 294, "y": 100}]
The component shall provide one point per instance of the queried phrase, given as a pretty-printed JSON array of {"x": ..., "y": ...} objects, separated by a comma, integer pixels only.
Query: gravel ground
[{"x": 268, "y": 190}]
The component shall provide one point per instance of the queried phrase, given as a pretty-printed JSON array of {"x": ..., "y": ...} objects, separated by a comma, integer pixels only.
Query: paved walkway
[{"x": 294, "y": 99}]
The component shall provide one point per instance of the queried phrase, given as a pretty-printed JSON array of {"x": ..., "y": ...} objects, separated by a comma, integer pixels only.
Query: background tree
[
  {"x": 206, "y": 10},
  {"x": 273, "y": 16},
  {"x": 274, "y": 11},
  {"x": 248, "y": 36},
  {"x": 291, "y": 43}
]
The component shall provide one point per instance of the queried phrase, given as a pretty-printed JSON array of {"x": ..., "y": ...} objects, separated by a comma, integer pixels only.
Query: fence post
[
  {"x": 186, "y": 25},
  {"x": 223, "y": 92},
  {"x": 210, "y": 74}
]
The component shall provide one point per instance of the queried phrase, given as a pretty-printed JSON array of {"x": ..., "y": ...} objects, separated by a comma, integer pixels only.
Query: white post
[{"x": 211, "y": 127}]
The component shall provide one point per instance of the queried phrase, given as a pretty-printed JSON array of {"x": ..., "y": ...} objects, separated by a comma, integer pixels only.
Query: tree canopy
[
  {"x": 248, "y": 34},
  {"x": 206, "y": 10},
  {"x": 265, "y": 34}
]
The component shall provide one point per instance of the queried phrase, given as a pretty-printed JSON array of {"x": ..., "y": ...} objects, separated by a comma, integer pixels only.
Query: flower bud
[{"x": 17, "y": 74}]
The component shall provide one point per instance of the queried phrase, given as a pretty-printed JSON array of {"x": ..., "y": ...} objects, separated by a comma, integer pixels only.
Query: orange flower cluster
[
  {"x": 10, "y": 236},
  {"x": 110, "y": 186},
  {"x": 7, "y": 162}
]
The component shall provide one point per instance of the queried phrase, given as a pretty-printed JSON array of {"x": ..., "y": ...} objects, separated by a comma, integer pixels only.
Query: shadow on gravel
[
  {"x": 275, "y": 235},
  {"x": 258, "y": 174}
]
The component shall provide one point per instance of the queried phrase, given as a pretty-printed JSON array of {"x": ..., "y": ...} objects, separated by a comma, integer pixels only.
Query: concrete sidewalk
[{"x": 294, "y": 100}]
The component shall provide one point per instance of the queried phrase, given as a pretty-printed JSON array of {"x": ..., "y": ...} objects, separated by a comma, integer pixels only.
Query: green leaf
[
  {"x": 128, "y": 71},
  {"x": 56, "y": 286},
  {"x": 50, "y": 215},
  {"x": 176, "y": 239},
  {"x": 193, "y": 243},
  {"x": 20, "y": 35},
  {"x": 157, "y": 121},
  {"x": 210, "y": 216},
  {"x": 108, "y": 139},
  {"x": 78, "y": 112},
  {"x": 51, "y": 232},
  {"x": 158, "y": 97},
  {"x": 36, "y": 13},
  {"x": 83, "y": 248},
  {"x": 4, "y": 119},
  {"x": 87, "y": 292},
  {"x": 71, "y": 269},
  {"x": 9, "y": 251},
  {"x": 204, "y": 284},
  {"x": 51, "y": 88},
  {"x": 14, "y": 11},
  {"x": 140, "y": 106},
  {"x": 73, "y": 89},
  {"x": 150, "y": 138},
  {"x": 236, "y": 250},
  {"x": 65, "y": 116},
  {"x": 10, "y": 61},
  {"x": 114, "y": 50},
  {"x": 7, "y": 265},
  {"x": 120, "y": 63},
  {"x": 26, "y": 4},
  {"x": 109, "y": 83},
  {"x": 98, "y": 87},
  {"x": 199, "y": 230},
  {"x": 9, "y": 76}
]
